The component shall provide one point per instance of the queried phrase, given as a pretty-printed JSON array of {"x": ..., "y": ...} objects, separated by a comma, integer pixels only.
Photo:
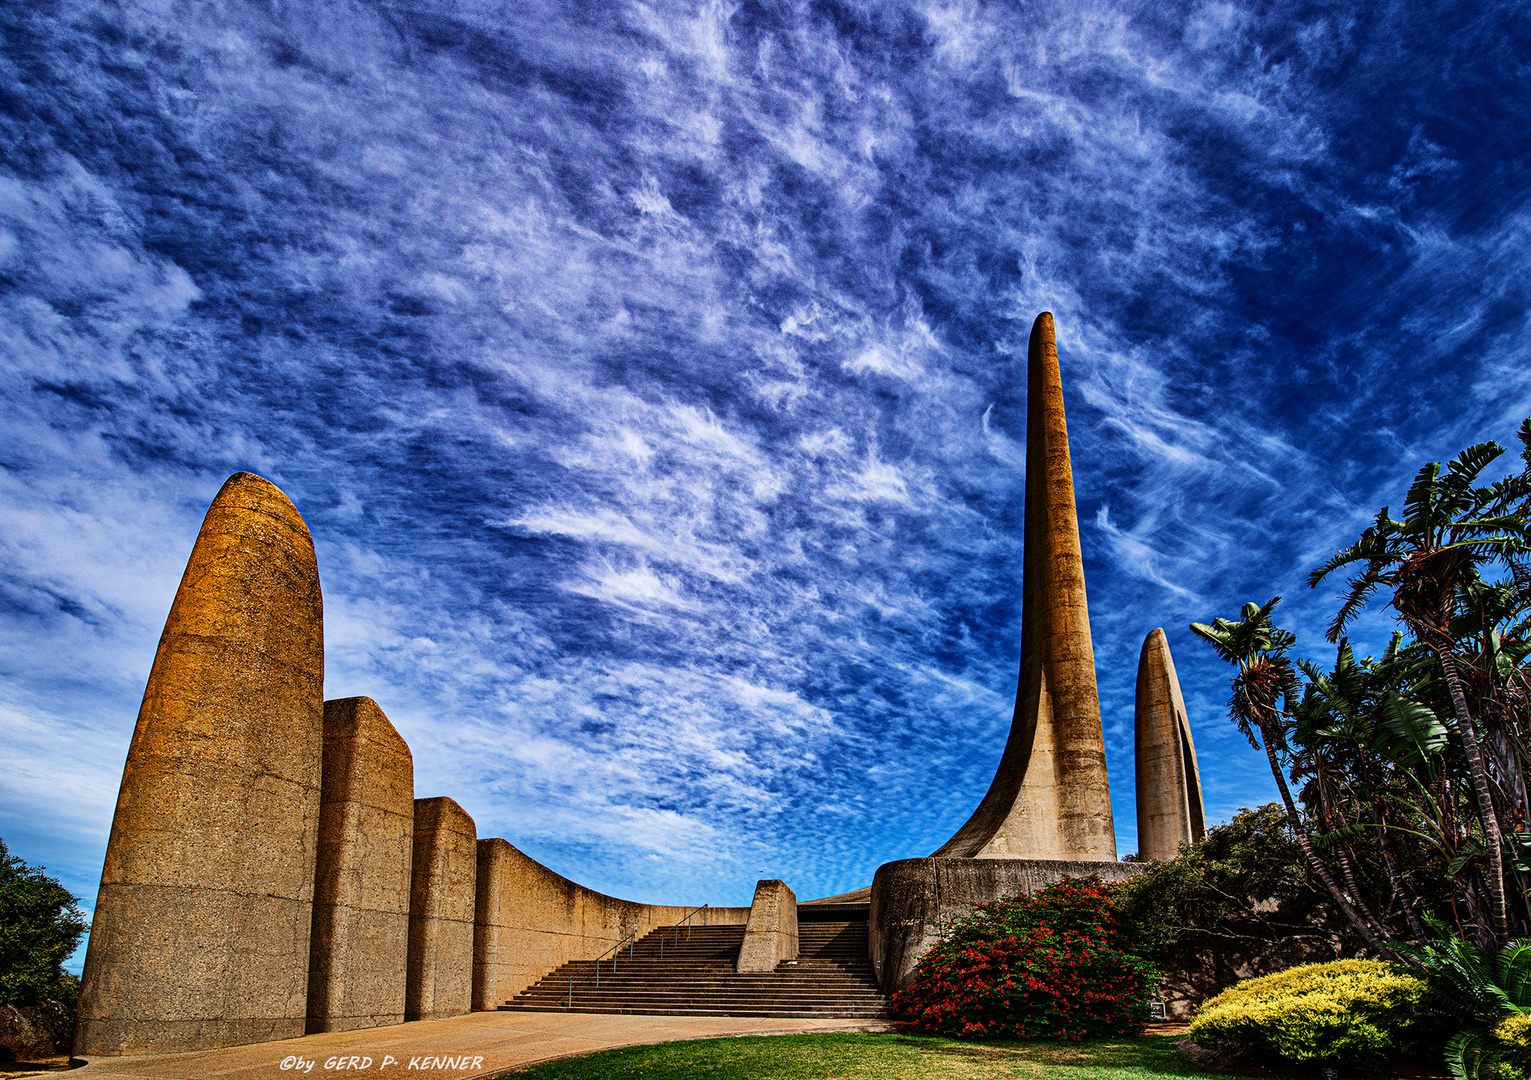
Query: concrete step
[
  {"x": 695, "y": 976},
  {"x": 720, "y": 986},
  {"x": 700, "y": 1010}
]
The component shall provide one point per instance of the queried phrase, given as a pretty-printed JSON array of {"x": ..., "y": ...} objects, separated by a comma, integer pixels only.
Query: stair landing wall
[{"x": 529, "y": 920}]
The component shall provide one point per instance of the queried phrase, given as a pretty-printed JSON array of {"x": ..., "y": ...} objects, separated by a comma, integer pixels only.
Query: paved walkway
[{"x": 475, "y": 1046}]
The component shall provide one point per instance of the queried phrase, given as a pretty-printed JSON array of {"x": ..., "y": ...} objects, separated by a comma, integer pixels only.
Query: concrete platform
[{"x": 492, "y": 1042}]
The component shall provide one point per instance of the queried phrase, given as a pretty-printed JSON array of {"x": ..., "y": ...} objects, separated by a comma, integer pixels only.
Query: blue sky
[{"x": 651, "y": 377}]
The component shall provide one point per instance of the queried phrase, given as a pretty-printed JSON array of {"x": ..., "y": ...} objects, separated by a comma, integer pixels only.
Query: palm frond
[
  {"x": 1467, "y": 1052},
  {"x": 1359, "y": 591},
  {"x": 1372, "y": 546},
  {"x": 1462, "y": 472},
  {"x": 1421, "y": 498},
  {"x": 1514, "y": 965},
  {"x": 1415, "y": 732}
]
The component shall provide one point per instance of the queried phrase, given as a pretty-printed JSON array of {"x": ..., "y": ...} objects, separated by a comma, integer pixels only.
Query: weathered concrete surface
[
  {"x": 913, "y": 898},
  {"x": 502, "y": 1040},
  {"x": 1170, "y": 810},
  {"x": 201, "y": 927},
  {"x": 531, "y": 920},
  {"x": 770, "y": 936},
  {"x": 439, "y": 972},
  {"x": 1050, "y": 798},
  {"x": 360, "y": 936}
]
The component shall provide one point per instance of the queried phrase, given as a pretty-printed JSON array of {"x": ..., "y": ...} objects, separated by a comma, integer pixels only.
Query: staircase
[{"x": 831, "y": 977}]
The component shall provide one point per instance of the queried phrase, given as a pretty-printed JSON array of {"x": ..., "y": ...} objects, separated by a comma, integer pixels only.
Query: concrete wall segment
[
  {"x": 770, "y": 935},
  {"x": 443, "y": 889},
  {"x": 360, "y": 940},
  {"x": 913, "y": 900}
]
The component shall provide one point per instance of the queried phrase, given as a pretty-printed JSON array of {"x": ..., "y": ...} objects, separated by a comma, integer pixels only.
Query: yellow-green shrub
[
  {"x": 1347, "y": 1010},
  {"x": 1513, "y": 1038}
]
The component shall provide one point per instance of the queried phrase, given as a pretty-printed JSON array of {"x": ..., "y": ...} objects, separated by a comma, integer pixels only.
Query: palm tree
[
  {"x": 1450, "y": 528},
  {"x": 1258, "y": 648},
  {"x": 1363, "y": 734}
]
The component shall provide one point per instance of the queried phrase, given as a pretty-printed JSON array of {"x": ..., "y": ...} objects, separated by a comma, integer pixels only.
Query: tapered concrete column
[
  {"x": 1050, "y": 798},
  {"x": 201, "y": 927},
  {"x": 361, "y": 898},
  {"x": 771, "y": 934},
  {"x": 1170, "y": 812},
  {"x": 439, "y": 979}
]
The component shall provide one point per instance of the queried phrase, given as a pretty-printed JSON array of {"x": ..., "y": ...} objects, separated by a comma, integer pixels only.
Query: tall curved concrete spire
[
  {"x": 1050, "y": 798},
  {"x": 1169, "y": 783}
]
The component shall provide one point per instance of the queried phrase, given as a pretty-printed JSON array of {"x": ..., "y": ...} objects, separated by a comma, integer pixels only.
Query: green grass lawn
[{"x": 875, "y": 1057}]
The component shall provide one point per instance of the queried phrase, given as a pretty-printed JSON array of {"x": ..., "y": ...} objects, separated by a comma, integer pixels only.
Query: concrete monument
[
  {"x": 1169, "y": 783},
  {"x": 361, "y": 894},
  {"x": 1047, "y": 815},
  {"x": 201, "y": 928},
  {"x": 1050, "y": 798},
  {"x": 439, "y": 979}
]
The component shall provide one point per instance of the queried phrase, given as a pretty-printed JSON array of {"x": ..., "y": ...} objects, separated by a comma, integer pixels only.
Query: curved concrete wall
[
  {"x": 530, "y": 921},
  {"x": 913, "y": 899}
]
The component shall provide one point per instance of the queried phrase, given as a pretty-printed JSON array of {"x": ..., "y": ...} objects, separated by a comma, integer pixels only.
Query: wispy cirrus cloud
[{"x": 652, "y": 377}]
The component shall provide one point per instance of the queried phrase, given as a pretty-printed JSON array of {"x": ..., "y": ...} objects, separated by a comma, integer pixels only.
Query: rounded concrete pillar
[
  {"x": 1170, "y": 814},
  {"x": 200, "y": 934}
]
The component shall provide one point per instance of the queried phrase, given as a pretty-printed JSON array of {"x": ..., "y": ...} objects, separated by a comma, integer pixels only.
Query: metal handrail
[
  {"x": 629, "y": 941},
  {"x": 686, "y": 922}
]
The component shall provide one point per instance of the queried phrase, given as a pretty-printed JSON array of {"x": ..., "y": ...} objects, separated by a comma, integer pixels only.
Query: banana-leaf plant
[{"x": 1430, "y": 560}]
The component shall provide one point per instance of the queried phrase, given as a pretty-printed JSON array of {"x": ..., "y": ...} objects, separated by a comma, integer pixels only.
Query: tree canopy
[{"x": 40, "y": 926}]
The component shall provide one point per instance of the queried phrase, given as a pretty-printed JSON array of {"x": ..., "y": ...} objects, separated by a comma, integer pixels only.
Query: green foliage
[
  {"x": 1258, "y": 648},
  {"x": 1513, "y": 1034},
  {"x": 1254, "y": 859},
  {"x": 1051, "y": 965},
  {"x": 1412, "y": 765},
  {"x": 1486, "y": 997},
  {"x": 1450, "y": 525},
  {"x": 40, "y": 925},
  {"x": 1352, "y": 1011}
]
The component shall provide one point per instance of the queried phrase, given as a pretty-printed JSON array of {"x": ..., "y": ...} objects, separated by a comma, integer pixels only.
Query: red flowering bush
[{"x": 1052, "y": 965}]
